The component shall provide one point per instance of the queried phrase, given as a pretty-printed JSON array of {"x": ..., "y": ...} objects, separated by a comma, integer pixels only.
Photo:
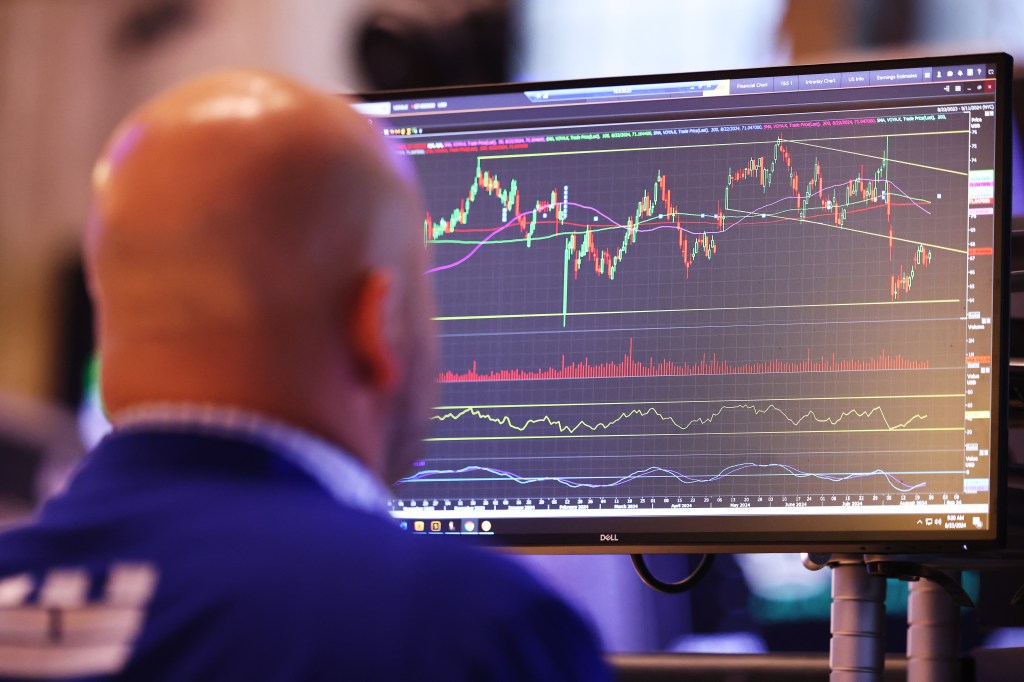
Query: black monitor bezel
[{"x": 756, "y": 540}]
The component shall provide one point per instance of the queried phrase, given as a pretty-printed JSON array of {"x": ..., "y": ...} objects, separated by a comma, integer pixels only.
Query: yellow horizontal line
[
  {"x": 723, "y": 401},
  {"x": 879, "y": 158},
  {"x": 454, "y": 318},
  {"x": 697, "y": 433},
  {"x": 725, "y": 144}
]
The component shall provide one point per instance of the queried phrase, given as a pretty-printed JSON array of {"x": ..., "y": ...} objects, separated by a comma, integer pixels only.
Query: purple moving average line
[
  {"x": 894, "y": 482},
  {"x": 689, "y": 231}
]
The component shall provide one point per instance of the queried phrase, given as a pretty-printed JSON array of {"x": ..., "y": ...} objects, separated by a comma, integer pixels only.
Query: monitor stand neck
[
  {"x": 933, "y": 633},
  {"x": 857, "y": 647}
]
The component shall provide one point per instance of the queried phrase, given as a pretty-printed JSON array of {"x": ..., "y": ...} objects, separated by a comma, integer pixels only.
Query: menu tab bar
[
  {"x": 855, "y": 79},
  {"x": 965, "y": 76}
]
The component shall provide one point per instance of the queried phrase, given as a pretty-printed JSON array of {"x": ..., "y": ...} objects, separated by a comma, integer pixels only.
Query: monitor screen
[{"x": 758, "y": 309}]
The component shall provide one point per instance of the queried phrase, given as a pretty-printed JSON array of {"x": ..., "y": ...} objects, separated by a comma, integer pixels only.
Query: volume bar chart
[{"x": 629, "y": 367}]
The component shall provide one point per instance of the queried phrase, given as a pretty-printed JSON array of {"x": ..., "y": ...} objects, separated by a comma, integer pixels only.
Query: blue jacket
[{"x": 209, "y": 558}]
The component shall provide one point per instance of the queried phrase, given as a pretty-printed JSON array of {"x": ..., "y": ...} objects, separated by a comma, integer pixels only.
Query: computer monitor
[{"x": 760, "y": 309}]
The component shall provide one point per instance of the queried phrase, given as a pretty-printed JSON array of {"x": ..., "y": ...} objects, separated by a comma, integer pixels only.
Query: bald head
[{"x": 254, "y": 244}]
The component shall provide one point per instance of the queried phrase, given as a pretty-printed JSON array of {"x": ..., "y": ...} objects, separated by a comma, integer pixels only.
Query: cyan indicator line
[
  {"x": 652, "y": 471},
  {"x": 598, "y": 478}
]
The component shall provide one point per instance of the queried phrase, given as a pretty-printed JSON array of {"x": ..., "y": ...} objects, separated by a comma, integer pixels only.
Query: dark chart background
[{"x": 781, "y": 315}]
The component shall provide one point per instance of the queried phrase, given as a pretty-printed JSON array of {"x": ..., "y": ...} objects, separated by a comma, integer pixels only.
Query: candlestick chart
[{"x": 741, "y": 311}]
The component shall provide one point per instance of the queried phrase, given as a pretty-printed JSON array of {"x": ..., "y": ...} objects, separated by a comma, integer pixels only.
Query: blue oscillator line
[{"x": 656, "y": 471}]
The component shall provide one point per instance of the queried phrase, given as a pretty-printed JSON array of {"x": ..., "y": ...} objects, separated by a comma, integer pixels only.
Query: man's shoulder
[
  {"x": 243, "y": 560},
  {"x": 241, "y": 514}
]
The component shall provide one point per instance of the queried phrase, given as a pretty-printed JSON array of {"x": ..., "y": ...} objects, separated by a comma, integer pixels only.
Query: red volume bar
[{"x": 631, "y": 368}]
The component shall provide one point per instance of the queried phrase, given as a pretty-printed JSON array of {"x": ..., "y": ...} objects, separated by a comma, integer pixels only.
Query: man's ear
[{"x": 372, "y": 332}]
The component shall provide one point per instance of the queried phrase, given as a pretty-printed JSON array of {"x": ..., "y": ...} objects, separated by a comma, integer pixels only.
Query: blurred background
[{"x": 70, "y": 69}]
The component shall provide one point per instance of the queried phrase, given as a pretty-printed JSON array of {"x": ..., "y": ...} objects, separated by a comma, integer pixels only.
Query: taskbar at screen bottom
[{"x": 904, "y": 529}]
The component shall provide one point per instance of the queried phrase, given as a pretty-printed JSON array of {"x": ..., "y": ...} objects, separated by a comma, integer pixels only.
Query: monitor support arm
[
  {"x": 857, "y": 645},
  {"x": 857, "y": 648}
]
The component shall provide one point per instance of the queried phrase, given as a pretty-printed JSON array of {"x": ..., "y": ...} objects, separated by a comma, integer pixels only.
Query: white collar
[{"x": 346, "y": 479}]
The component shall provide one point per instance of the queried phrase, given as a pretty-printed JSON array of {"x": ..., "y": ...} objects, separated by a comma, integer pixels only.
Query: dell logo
[{"x": 609, "y": 538}]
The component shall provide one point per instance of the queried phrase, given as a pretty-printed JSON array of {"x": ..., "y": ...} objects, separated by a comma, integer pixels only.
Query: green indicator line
[
  {"x": 460, "y": 318},
  {"x": 923, "y": 396},
  {"x": 565, "y": 280},
  {"x": 702, "y": 433}
]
